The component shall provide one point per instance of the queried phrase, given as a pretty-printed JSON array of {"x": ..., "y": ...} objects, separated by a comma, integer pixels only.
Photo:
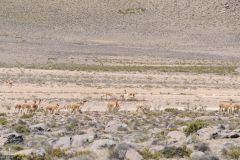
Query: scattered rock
[
  {"x": 177, "y": 135},
  {"x": 103, "y": 143},
  {"x": 120, "y": 151},
  {"x": 72, "y": 121},
  {"x": 27, "y": 152},
  {"x": 14, "y": 138},
  {"x": 203, "y": 147},
  {"x": 116, "y": 125},
  {"x": 80, "y": 140},
  {"x": 229, "y": 134},
  {"x": 39, "y": 128}
]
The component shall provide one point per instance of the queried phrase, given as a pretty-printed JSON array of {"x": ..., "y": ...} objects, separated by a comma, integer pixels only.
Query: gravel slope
[{"x": 120, "y": 26}]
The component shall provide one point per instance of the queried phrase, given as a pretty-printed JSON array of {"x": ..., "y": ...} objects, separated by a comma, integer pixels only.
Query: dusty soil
[{"x": 159, "y": 90}]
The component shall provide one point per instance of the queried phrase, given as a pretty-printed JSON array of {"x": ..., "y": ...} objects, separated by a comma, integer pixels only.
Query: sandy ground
[{"x": 165, "y": 90}]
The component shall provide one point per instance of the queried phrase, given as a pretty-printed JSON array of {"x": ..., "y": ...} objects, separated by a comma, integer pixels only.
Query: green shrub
[
  {"x": 3, "y": 114},
  {"x": 27, "y": 115},
  {"x": 233, "y": 152},
  {"x": 193, "y": 127},
  {"x": 171, "y": 152},
  {"x": 3, "y": 121},
  {"x": 148, "y": 154},
  {"x": 20, "y": 128}
]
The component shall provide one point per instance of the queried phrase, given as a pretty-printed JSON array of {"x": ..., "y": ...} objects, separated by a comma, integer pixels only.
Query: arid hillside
[{"x": 96, "y": 26}]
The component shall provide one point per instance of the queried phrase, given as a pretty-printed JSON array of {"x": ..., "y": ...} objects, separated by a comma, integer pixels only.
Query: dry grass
[{"x": 136, "y": 68}]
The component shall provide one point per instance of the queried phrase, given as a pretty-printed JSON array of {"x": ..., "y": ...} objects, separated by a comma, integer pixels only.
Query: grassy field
[{"x": 135, "y": 68}]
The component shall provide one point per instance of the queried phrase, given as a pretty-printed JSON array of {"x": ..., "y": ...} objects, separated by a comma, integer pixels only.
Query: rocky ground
[{"x": 168, "y": 134}]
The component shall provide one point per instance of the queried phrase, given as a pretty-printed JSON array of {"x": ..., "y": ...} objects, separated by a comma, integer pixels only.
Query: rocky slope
[{"x": 169, "y": 134}]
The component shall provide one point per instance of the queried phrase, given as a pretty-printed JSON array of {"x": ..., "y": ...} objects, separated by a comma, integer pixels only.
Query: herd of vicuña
[{"x": 113, "y": 104}]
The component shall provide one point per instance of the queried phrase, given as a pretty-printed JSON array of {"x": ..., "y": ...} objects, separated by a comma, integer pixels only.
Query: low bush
[
  {"x": 232, "y": 152},
  {"x": 20, "y": 128},
  {"x": 171, "y": 152},
  {"x": 3, "y": 121},
  {"x": 148, "y": 154},
  {"x": 193, "y": 127}
]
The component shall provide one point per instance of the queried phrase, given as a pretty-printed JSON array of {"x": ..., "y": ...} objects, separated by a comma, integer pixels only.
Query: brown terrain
[{"x": 179, "y": 59}]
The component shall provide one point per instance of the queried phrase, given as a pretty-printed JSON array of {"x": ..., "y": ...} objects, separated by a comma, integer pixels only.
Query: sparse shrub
[
  {"x": 71, "y": 127},
  {"x": 39, "y": 157},
  {"x": 20, "y": 157},
  {"x": 3, "y": 114},
  {"x": 27, "y": 115},
  {"x": 153, "y": 114},
  {"x": 85, "y": 153},
  {"x": 58, "y": 152},
  {"x": 14, "y": 147},
  {"x": 191, "y": 114},
  {"x": 3, "y": 121},
  {"x": 194, "y": 126},
  {"x": 20, "y": 128},
  {"x": 172, "y": 110},
  {"x": 171, "y": 152},
  {"x": 146, "y": 153},
  {"x": 161, "y": 135},
  {"x": 232, "y": 152}
]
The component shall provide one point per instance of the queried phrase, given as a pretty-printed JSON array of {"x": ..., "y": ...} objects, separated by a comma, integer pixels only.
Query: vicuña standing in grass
[
  {"x": 113, "y": 105},
  {"x": 74, "y": 107},
  {"x": 52, "y": 107}
]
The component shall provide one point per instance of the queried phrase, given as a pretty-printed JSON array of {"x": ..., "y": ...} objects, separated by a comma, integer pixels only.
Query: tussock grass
[
  {"x": 20, "y": 128},
  {"x": 3, "y": 121}
]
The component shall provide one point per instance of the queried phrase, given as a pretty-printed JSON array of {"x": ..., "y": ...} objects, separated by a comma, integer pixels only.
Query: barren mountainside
[{"x": 200, "y": 25}]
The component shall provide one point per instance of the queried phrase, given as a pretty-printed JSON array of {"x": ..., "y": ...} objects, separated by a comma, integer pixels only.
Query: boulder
[
  {"x": 176, "y": 138},
  {"x": 198, "y": 155},
  {"x": 133, "y": 155},
  {"x": 177, "y": 135},
  {"x": 63, "y": 142},
  {"x": 208, "y": 133}
]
